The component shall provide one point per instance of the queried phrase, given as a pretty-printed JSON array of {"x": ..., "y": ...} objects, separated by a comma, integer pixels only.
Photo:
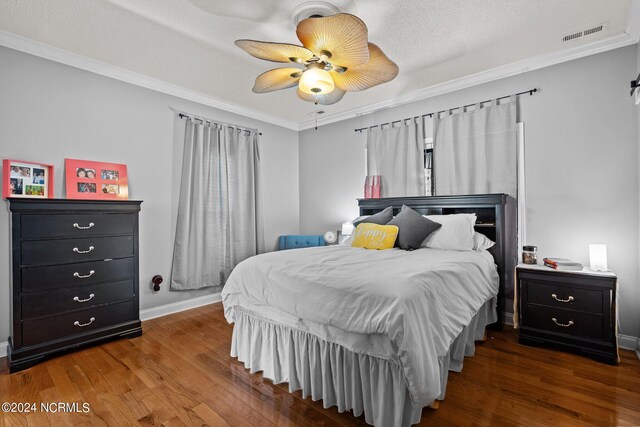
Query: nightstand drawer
[
  {"x": 80, "y": 322},
  {"x": 563, "y": 296},
  {"x": 36, "y": 279},
  {"x": 76, "y": 298},
  {"x": 76, "y": 225},
  {"x": 47, "y": 252},
  {"x": 575, "y": 323}
]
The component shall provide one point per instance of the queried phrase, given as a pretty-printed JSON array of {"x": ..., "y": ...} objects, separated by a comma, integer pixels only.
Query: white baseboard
[
  {"x": 176, "y": 307},
  {"x": 153, "y": 312},
  {"x": 628, "y": 342},
  {"x": 508, "y": 319}
]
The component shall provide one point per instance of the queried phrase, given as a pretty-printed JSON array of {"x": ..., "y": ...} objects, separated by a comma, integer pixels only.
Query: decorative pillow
[
  {"x": 481, "y": 242},
  {"x": 375, "y": 236},
  {"x": 381, "y": 217},
  {"x": 456, "y": 232},
  {"x": 413, "y": 228}
]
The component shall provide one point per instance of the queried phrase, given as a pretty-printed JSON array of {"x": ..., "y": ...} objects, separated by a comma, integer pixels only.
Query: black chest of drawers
[
  {"x": 572, "y": 311},
  {"x": 74, "y": 275}
]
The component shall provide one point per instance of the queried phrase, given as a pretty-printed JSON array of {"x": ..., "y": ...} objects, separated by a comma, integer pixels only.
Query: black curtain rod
[
  {"x": 530, "y": 92},
  {"x": 182, "y": 116}
]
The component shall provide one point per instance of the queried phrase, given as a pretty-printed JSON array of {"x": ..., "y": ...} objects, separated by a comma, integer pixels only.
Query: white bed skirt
[{"x": 340, "y": 377}]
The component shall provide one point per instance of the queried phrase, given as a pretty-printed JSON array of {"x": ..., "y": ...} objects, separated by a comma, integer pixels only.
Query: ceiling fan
[{"x": 335, "y": 58}]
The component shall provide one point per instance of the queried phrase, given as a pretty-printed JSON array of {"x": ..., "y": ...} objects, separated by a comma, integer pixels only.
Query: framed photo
[
  {"x": 87, "y": 179},
  {"x": 26, "y": 179}
]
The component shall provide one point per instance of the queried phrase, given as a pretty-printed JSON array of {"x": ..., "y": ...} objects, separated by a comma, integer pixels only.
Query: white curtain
[
  {"x": 476, "y": 152},
  {"x": 220, "y": 209},
  {"x": 396, "y": 153}
]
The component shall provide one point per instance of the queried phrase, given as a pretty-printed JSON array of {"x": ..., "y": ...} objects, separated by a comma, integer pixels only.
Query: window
[{"x": 428, "y": 166}]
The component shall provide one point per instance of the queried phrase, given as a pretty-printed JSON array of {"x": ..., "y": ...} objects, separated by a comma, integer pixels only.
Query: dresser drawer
[
  {"x": 77, "y": 298},
  {"x": 584, "y": 325},
  {"x": 76, "y": 225},
  {"x": 549, "y": 294},
  {"x": 83, "y": 273},
  {"x": 80, "y": 322},
  {"x": 47, "y": 252}
]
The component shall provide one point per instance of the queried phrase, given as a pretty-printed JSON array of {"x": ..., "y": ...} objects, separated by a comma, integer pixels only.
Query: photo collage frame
[
  {"x": 27, "y": 179},
  {"x": 87, "y": 179}
]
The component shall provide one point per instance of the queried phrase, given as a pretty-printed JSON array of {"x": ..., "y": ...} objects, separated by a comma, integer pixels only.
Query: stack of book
[{"x": 563, "y": 264}]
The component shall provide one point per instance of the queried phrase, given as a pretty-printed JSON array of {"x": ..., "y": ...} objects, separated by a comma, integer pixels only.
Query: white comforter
[{"x": 420, "y": 300}]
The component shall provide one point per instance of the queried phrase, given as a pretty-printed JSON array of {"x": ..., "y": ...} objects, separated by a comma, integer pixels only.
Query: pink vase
[
  {"x": 376, "y": 187},
  {"x": 368, "y": 187}
]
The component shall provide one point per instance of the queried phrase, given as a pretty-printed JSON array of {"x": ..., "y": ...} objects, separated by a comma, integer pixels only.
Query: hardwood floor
[{"x": 180, "y": 373}]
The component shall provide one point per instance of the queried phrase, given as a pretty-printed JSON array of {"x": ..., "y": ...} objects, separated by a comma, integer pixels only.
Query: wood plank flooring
[{"x": 179, "y": 373}]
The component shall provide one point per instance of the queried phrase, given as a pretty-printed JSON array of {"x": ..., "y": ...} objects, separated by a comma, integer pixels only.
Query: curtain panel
[
  {"x": 396, "y": 153},
  {"x": 476, "y": 151},
  {"x": 220, "y": 206}
]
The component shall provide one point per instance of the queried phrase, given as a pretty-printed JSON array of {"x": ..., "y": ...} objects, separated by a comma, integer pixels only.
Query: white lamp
[{"x": 598, "y": 257}]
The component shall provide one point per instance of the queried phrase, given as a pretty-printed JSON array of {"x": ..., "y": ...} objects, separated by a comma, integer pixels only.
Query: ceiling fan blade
[
  {"x": 276, "y": 52},
  {"x": 380, "y": 69},
  {"x": 330, "y": 98},
  {"x": 276, "y": 79},
  {"x": 342, "y": 37}
]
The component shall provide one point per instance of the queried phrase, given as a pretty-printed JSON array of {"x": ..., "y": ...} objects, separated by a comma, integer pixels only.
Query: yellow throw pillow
[{"x": 374, "y": 236}]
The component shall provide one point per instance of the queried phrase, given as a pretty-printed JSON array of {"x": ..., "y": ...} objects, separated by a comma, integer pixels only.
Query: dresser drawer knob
[
  {"x": 78, "y": 251},
  {"x": 564, "y": 325},
  {"x": 555, "y": 297},
  {"x": 77, "y": 323},
  {"x": 84, "y": 300},
  {"x": 83, "y": 276},
  {"x": 80, "y": 227}
]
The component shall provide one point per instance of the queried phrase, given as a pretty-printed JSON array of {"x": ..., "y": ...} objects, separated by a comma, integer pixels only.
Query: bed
[{"x": 374, "y": 332}]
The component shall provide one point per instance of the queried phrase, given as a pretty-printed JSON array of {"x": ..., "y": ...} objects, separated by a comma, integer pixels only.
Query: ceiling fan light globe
[{"x": 316, "y": 81}]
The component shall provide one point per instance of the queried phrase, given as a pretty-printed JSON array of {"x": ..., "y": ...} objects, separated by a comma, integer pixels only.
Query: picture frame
[
  {"x": 23, "y": 179},
  {"x": 87, "y": 179}
]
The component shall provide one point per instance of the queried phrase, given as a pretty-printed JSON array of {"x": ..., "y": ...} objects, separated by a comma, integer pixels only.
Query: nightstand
[{"x": 571, "y": 310}]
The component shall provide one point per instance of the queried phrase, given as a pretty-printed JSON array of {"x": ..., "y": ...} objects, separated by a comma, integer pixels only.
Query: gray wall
[
  {"x": 50, "y": 111},
  {"x": 581, "y": 137}
]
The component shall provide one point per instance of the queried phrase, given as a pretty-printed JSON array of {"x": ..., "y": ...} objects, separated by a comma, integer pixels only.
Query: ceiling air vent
[
  {"x": 571, "y": 36},
  {"x": 595, "y": 29},
  {"x": 583, "y": 33}
]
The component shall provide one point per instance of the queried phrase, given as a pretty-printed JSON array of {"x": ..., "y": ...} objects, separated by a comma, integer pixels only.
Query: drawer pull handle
[
  {"x": 78, "y": 251},
  {"x": 77, "y": 323},
  {"x": 555, "y": 297},
  {"x": 81, "y": 276},
  {"x": 564, "y": 325},
  {"x": 84, "y": 300},
  {"x": 79, "y": 227}
]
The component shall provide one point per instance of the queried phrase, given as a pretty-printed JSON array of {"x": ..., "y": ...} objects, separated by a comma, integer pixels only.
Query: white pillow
[
  {"x": 481, "y": 242},
  {"x": 456, "y": 232}
]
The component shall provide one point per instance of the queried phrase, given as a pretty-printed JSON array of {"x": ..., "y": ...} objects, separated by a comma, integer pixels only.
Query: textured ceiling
[{"x": 190, "y": 42}]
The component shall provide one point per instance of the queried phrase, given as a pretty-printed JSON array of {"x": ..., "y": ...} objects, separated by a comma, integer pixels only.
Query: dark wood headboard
[{"x": 495, "y": 218}]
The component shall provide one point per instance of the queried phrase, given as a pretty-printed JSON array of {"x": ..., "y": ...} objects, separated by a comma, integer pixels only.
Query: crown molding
[
  {"x": 62, "y": 56},
  {"x": 529, "y": 64},
  {"x": 22, "y": 44},
  {"x": 633, "y": 21}
]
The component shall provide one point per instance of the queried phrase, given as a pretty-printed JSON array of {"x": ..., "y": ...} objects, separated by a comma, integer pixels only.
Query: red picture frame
[
  {"x": 22, "y": 179},
  {"x": 86, "y": 179}
]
